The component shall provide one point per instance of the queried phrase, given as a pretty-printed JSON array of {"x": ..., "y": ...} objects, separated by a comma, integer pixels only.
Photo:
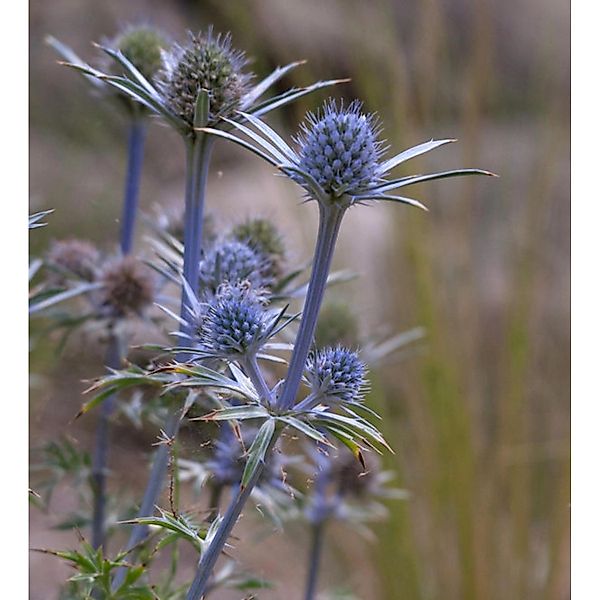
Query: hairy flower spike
[
  {"x": 128, "y": 287},
  {"x": 73, "y": 257},
  {"x": 262, "y": 236},
  {"x": 336, "y": 373},
  {"x": 207, "y": 62},
  {"x": 232, "y": 262},
  {"x": 235, "y": 321},
  {"x": 339, "y": 148}
]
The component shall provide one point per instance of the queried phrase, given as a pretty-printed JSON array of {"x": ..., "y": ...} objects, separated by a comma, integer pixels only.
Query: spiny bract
[
  {"x": 339, "y": 148},
  {"x": 337, "y": 373},
  {"x": 235, "y": 320},
  {"x": 207, "y": 62}
]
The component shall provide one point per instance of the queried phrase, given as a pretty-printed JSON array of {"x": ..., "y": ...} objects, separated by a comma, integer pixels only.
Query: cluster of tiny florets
[
  {"x": 339, "y": 148},
  {"x": 72, "y": 257},
  {"x": 142, "y": 46},
  {"x": 128, "y": 287},
  {"x": 207, "y": 62},
  {"x": 337, "y": 373},
  {"x": 232, "y": 261},
  {"x": 235, "y": 320},
  {"x": 263, "y": 237}
]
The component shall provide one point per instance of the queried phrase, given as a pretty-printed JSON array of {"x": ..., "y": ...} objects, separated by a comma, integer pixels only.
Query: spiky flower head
[
  {"x": 232, "y": 261},
  {"x": 142, "y": 46},
  {"x": 336, "y": 373},
  {"x": 72, "y": 257},
  {"x": 337, "y": 324},
  {"x": 208, "y": 62},
  {"x": 235, "y": 321},
  {"x": 263, "y": 237},
  {"x": 128, "y": 287},
  {"x": 339, "y": 148}
]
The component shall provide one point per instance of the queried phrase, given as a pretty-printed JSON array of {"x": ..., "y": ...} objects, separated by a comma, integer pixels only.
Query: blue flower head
[
  {"x": 232, "y": 261},
  {"x": 235, "y": 321},
  {"x": 339, "y": 148},
  {"x": 336, "y": 373}
]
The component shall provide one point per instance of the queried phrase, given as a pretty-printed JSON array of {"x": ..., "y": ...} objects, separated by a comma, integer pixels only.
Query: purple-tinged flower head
[
  {"x": 208, "y": 62},
  {"x": 128, "y": 287},
  {"x": 339, "y": 148},
  {"x": 262, "y": 236},
  {"x": 232, "y": 261},
  {"x": 336, "y": 373},
  {"x": 72, "y": 258},
  {"x": 235, "y": 321}
]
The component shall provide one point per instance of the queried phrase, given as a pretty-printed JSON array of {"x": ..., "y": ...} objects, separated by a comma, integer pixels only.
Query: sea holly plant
[
  {"x": 339, "y": 163},
  {"x": 203, "y": 82}
]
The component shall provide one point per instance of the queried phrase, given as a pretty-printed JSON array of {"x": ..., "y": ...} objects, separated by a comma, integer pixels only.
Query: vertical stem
[
  {"x": 137, "y": 135},
  {"x": 100, "y": 458},
  {"x": 198, "y": 152},
  {"x": 316, "y": 549},
  {"x": 330, "y": 218},
  {"x": 253, "y": 371}
]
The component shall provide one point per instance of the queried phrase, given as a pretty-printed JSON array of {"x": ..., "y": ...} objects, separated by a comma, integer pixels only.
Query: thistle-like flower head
[
  {"x": 128, "y": 287},
  {"x": 263, "y": 237},
  {"x": 208, "y": 62},
  {"x": 73, "y": 258},
  {"x": 142, "y": 46},
  {"x": 339, "y": 149},
  {"x": 235, "y": 321},
  {"x": 231, "y": 262},
  {"x": 336, "y": 373}
]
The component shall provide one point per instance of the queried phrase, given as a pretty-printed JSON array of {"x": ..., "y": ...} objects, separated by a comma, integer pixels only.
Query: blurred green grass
[{"x": 479, "y": 417}]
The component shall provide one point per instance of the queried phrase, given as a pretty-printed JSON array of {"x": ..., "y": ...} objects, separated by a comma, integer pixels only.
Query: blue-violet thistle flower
[
  {"x": 231, "y": 262},
  {"x": 336, "y": 373},
  {"x": 235, "y": 321}
]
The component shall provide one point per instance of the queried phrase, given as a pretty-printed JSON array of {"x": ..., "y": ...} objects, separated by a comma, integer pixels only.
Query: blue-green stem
[
  {"x": 198, "y": 153},
  {"x": 253, "y": 371},
  {"x": 316, "y": 550},
  {"x": 114, "y": 353},
  {"x": 330, "y": 218},
  {"x": 135, "y": 158}
]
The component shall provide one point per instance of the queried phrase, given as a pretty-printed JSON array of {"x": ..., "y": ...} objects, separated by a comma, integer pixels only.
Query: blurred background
[{"x": 478, "y": 414}]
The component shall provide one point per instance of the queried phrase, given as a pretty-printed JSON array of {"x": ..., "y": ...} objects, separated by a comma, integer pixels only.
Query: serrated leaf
[
  {"x": 258, "y": 450},
  {"x": 237, "y": 413}
]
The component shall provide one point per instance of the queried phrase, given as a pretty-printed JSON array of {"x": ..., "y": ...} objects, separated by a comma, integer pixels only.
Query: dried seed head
[
  {"x": 72, "y": 257},
  {"x": 263, "y": 237},
  {"x": 337, "y": 325},
  {"x": 337, "y": 373},
  {"x": 142, "y": 46},
  {"x": 129, "y": 287},
  {"x": 235, "y": 320},
  {"x": 339, "y": 147},
  {"x": 232, "y": 261},
  {"x": 207, "y": 62}
]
